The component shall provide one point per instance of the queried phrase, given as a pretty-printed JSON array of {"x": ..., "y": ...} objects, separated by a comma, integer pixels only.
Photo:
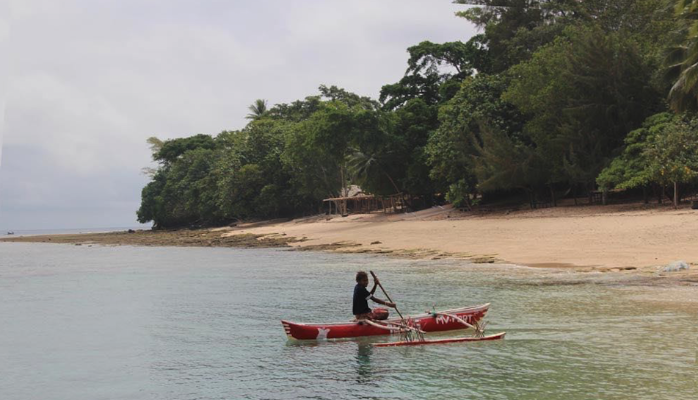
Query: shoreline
[{"x": 629, "y": 240}]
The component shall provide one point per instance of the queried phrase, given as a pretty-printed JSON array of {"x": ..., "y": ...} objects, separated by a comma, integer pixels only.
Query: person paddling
[{"x": 360, "y": 308}]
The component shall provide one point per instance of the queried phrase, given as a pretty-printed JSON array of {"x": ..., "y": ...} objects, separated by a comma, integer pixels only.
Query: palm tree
[
  {"x": 155, "y": 144},
  {"x": 361, "y": 165},
  {"x": 155, "y": 147},
  {"x": 681, "y": 60},
  {"x": 257, "y": 109}
]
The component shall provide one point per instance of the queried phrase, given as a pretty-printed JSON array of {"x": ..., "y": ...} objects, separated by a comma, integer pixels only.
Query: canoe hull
[
  {"x": 343, "y": 330},
  {"x": 497, "y": 336}
]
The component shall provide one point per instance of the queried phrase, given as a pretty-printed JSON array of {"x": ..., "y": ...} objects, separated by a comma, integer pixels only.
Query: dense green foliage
[
  {"x": 663, "y": 152},
  {"x": 630, "y": 168},
  {"x": 553, "y": 96}
]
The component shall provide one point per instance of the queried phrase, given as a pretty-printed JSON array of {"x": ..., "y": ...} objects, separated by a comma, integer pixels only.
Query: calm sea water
[
  {"x": 34, "y": 232},
  {"x": 79, "y": 322}
]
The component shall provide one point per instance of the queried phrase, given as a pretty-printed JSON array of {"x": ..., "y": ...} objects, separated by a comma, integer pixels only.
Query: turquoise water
[{"x": 79, "y": 322}]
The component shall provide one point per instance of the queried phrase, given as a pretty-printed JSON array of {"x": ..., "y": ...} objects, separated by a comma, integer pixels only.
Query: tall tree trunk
[
  {"x": 397, "y": 190},
  {"x": 552, "y": 195},
  {"x": 467, "y": 202},
  {"x": 676, "y": 194},
  {"x": 664, "y": 193},
  {"x": 344, "y": 191},
  {"x": 532, "y": 198},
  {"x": 645, "y": 198}
]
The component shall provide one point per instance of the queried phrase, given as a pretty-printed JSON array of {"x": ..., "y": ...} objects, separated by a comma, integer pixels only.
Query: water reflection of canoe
[{"x": 427, "y": 322}]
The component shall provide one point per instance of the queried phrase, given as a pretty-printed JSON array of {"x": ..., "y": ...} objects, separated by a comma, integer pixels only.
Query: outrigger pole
[
  {"x": 479, "y": 332},
  {"x": 394, "y": 327},
  {"x": 407, "y": 330}
]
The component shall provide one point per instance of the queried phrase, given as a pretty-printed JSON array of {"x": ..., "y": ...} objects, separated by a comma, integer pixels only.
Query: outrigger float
[{"x": 410, "y": 329}]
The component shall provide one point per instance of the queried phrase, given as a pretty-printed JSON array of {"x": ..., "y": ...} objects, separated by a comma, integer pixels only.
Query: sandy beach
[
  {"x": 633, "y": 240},
  {"x": 583, "y": 237}
]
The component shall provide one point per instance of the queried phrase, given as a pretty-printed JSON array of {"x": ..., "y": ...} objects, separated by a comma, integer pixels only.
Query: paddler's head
[{"x": 362, "y": 278}]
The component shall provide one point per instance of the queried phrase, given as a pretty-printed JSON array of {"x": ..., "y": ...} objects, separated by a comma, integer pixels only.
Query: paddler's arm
[{"x": 383, "y": 302}]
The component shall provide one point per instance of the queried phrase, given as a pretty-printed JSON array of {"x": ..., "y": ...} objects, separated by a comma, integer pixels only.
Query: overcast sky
[{"x": 85, "y": 82}]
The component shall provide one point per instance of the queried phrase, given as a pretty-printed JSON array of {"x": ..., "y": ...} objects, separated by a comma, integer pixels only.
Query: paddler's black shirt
[{"x": 361, "y": 297}]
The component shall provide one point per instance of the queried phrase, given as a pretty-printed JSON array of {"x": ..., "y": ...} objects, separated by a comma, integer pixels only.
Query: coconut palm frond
[
  {"x": 681, "y": 60},
  {"x": 257, "y": 109}
]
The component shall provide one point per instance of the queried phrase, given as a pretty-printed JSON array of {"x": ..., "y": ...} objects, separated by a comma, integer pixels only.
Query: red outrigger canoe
[{"x": 427, "y": 322}]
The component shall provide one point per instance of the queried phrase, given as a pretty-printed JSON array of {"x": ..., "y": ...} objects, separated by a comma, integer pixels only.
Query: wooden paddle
[
  {"x": 410, "y": 330},
  {"x": 387, "y": 295}
]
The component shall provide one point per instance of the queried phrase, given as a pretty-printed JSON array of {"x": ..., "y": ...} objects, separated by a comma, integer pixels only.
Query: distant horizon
[{"x": 4, "y": 230}]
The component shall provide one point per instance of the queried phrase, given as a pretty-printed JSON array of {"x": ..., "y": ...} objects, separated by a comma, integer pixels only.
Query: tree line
[{"x": 553, "y": 98}]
